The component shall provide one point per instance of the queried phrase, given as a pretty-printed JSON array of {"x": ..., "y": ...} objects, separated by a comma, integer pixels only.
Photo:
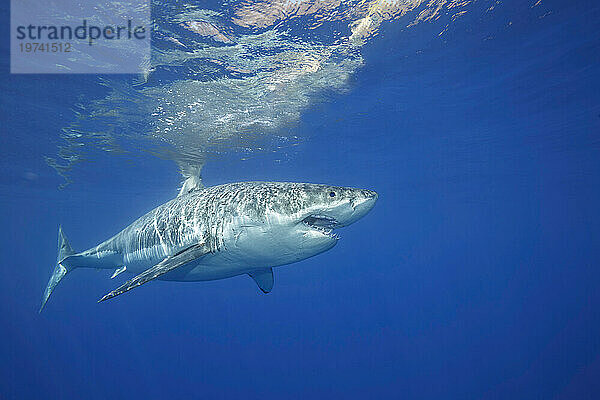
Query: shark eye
[{"x": 331, "y": 194}]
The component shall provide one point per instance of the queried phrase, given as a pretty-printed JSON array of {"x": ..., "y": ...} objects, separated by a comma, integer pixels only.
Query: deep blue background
[{"x": 475, "y": 276}]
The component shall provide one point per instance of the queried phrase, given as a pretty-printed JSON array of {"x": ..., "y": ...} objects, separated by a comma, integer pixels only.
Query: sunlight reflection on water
[{"x": 234, "y": 79}]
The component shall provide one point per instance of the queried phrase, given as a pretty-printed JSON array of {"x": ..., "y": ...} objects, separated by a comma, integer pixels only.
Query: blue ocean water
[{"x": 474, "y": 277}]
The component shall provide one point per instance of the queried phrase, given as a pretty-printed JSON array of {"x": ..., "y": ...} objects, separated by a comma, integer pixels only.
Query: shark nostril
[{"x": 369, "y": 194}]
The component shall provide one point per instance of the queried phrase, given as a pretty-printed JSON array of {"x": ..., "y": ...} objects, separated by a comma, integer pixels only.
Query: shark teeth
[{"x": 322, "y": 224}]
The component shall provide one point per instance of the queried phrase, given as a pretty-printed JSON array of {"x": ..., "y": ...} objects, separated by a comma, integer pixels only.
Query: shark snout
[
  {"x": 370, "y": 195},
  {"x": 361, "y": 203},
  {"x": 364, "y": 202}
]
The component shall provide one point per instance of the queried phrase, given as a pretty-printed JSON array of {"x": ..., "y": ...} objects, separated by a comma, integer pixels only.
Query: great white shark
[{"x": 222, "y": 231}]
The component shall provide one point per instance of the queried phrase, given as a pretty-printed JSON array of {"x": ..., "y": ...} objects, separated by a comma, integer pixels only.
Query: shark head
[
  {"x": 322, "y": 210},
  {"x": 326, "y": 208},
  {"x": 300, "y": 220}
]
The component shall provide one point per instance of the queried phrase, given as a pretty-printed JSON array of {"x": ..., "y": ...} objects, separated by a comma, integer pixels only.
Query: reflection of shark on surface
[{"x": 222, "y": 231}]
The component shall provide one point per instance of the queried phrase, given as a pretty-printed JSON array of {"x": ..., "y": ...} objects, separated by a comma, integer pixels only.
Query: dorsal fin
[{"x": 192, "y": 175}]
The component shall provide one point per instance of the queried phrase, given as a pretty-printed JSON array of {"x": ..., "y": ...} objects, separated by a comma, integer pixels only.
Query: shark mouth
[{"x": 322, "y": 223}]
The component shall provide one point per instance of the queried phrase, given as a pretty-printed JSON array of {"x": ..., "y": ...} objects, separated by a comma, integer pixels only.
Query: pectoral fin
[
  {"x": 263, "y": 278},
  {"x": 166, "y": 265}
]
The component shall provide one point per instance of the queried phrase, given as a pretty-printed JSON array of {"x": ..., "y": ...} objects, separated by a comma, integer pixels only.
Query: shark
[{"x": 221, "y": 231}]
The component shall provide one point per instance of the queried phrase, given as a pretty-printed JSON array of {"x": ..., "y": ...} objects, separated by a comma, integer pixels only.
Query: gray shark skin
[{"x": 223, "y": 231}]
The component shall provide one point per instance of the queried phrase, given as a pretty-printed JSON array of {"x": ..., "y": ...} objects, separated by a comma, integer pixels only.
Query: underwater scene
[{"x": 300, "y": 199}]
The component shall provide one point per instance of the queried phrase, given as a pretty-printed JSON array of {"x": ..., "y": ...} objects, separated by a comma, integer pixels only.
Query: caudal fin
[{"x": 64, "y": 250}]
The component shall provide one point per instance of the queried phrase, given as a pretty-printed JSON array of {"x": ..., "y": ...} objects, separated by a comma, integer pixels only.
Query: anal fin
[
  {"x": 263, "y": 278},
  {"x": 118, "y": 271}
]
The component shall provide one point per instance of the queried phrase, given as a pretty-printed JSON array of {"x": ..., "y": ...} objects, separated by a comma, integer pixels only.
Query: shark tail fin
[{"x": 61, "y": 269}]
